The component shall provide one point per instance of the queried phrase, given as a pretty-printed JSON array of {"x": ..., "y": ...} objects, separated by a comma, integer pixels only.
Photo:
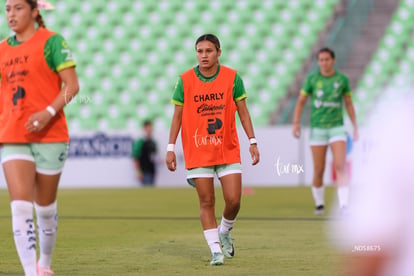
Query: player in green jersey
[{"x": 327, "y": 88}]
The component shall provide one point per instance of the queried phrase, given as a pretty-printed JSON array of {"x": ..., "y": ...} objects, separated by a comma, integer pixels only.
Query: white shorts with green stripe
[
  {"x": 211, "y": 171},
  {"x": 326, "y": 136},
  {"x": 49, "y": 158}
]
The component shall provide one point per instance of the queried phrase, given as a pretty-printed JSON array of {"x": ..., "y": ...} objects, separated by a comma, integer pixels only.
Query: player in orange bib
[
  {"x": 206, "y": 98},
  {"x": 38, "y": 78}
]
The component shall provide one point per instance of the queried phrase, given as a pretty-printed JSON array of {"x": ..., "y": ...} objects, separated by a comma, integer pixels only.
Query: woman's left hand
[
  {"x": 38, "y": 121},
  {"x": 254, "y": 152}
]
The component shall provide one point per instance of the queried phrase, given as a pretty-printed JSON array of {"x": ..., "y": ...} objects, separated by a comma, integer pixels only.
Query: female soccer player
[
  {"x": 33, "y": 134},
  {"x": 327, "y": 88},
  {"x": 206, "y": 98}
]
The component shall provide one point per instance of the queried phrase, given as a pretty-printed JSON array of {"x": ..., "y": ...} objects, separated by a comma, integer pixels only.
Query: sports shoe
[
  {"x": 44, "y": 271},
  {"x": 217, "y": 259},
  {"x": 227, "y": 245},
  {"x": 319, "y": 210}
]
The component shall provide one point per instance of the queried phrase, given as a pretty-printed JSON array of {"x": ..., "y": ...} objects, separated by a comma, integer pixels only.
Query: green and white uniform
[
  {"x": 48, "y": 157},
  {"x": 327, "y": 124}
]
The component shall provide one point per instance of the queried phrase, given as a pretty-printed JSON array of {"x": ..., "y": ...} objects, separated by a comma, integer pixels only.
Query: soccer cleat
[
  {"x": 44, "y": 271},
  {"x": 227, "y": 245},
  {"x": 217, "y": 259},
  {"x": 319, "y": 210}
]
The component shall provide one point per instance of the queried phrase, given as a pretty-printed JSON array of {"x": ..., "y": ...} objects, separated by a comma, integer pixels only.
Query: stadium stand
[
  {"x": 392, "y": 63},
  {"x": 129, "y": 56},
  {"x": 130, "y": 53},
  {"x": 356, "y": 35}
]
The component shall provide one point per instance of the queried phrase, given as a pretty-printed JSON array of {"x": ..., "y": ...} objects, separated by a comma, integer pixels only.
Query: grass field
[{"x": 158, "y": 232}]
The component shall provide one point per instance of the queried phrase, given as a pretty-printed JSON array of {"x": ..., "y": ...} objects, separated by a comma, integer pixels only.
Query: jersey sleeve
[
  {"x": 178, "y": 96},
  {"x": 57, "y": 53},
  {"x": 347, "y": 87},
  {"x": 239, "y": 92},
  {"x": 307, "y": 87},
  {"x": 137, "y": 148}
]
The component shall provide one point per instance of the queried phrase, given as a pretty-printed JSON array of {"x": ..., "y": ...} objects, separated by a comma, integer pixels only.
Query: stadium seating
[
  {"x": 130, "y": 53},
  {"x": 392, "y": 63}
]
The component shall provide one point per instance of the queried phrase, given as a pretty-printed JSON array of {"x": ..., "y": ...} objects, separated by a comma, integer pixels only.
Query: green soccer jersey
[
  {"x": 239, "y": 92},
  {"x": 137, "y": 148},
  {"x": 57, "y": 54},
  {"x": 326, "y": 98}
]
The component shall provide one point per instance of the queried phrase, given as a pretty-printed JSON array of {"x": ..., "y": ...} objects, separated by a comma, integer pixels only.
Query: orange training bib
[
  {"x": 208, "y": 131},
  {"x": 28, "y": 85}
]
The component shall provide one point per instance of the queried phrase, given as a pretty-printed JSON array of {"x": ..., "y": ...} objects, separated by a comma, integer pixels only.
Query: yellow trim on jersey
[
  {"x": 242, "y": 97},
  {"x": 177, "y": 103},
  {"x": 65, "y": 65},
  {"x": 303, "y": 92}
]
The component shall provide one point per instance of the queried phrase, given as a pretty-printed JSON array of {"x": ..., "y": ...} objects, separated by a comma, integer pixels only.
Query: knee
[
  {"x": 318, "y": 171},
  {"x": 207, "y": 202},
  {"x": 233, "y": 203},
  {"x": 339, "y": 167}
]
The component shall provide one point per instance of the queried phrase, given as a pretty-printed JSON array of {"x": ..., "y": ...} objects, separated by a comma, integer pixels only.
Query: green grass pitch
[{"x": 157, "y": 232}]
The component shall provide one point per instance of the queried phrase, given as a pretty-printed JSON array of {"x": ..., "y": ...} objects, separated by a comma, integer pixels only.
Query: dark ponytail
[
  {"x": 40, "y": 21},
  {"x": 39, "y": 18}
]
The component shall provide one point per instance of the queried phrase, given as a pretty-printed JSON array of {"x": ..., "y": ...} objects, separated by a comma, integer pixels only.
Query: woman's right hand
[
  {"x": 171, "y": 161},
  {"x": 296, "y": 130},
  {"x": 38, "y": 121}
]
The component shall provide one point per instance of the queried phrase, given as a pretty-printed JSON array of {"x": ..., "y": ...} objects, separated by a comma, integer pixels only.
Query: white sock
[
  {"x": 226, "y": 225},
  {"x": 318, "y": 195},
  {"x": 212, "y": 238},
  {"x": 46, "y": 227},
  {"x": 343, "y": 193},
  {"x": 24, "y": 235}
]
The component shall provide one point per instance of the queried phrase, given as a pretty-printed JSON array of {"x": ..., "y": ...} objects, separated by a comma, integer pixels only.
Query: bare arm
[
  {"x": 170, "y": 158},
  {"x": 175, "y": 124},
  {"x": 297, "y": 113},
  {"x": 351, "y": 112},
  {"x": 138, "y": 168},
  {"x": 248, "y": 129},
  {"x": 69, "y": 90}
]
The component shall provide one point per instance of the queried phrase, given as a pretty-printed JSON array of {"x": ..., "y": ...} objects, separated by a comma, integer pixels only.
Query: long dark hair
[{"x": 39, "y": 18}]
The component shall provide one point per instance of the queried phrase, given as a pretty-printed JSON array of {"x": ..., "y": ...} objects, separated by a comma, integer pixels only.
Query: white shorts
[{"x": 211, "y": 171}]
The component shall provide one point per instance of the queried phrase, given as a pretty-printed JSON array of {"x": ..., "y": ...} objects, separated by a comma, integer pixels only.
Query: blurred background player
[
  {"x": 377, "y": 235},
  {"x": 327, "y": 88},
  {"x": 143, "y": 152},
  {"x": 33, "y": 134},
  {"x": 206, "y": 98}
]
